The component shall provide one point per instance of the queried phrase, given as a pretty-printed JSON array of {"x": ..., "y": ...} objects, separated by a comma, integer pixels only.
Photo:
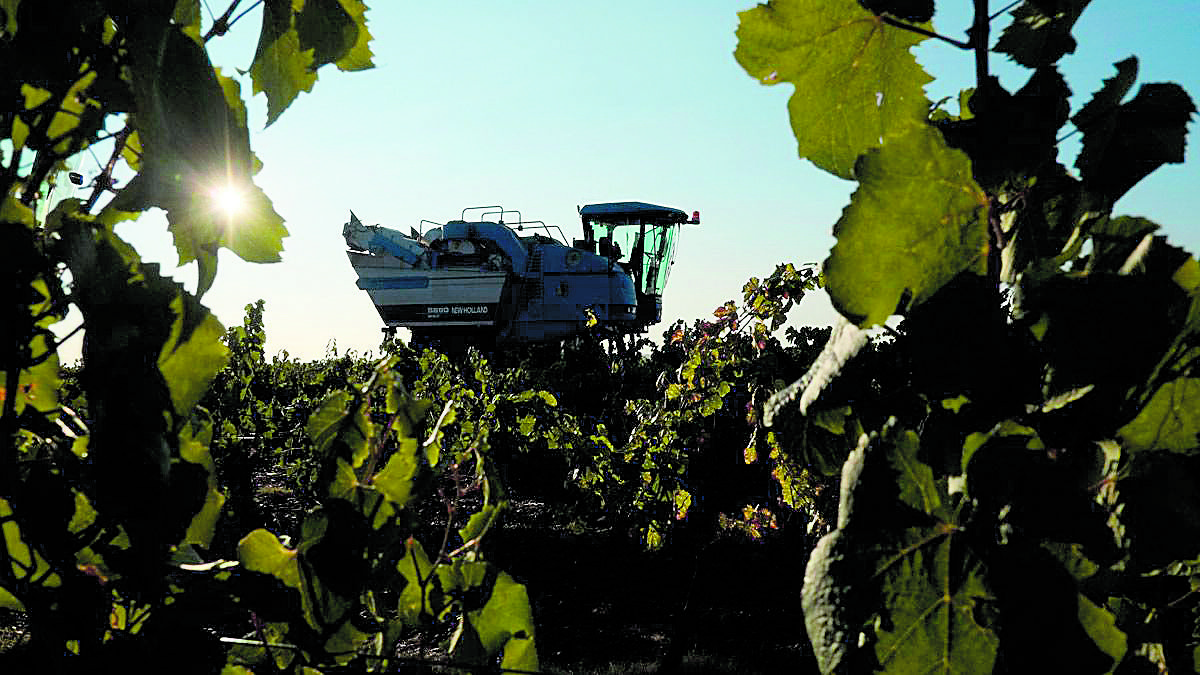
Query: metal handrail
[
  {"x": 542, "y": 225},
  {"x": 502, "y": 212},
  {"x": 463, "y": 215}
]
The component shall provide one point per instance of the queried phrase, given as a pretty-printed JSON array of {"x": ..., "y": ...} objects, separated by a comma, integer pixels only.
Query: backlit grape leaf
[
  {"x": 1040, "y": 33},
  {"x": 261, "y": 551},
  {"x": 506, "y": 623},
  {"x": 396, "y": 479},
  {"x": 345, "y": 642},
  {"x": 294, "y": 44},
  {"x": 358, "y": 57},
  {"x": 1100, "y": 625},
  {"x": 10, "y": 601},
  {"x": 1169, "y": 421},
  {"x": 20, "y": 557},
  {"x": 872, "y": 88},
  {"x": 131, "y": 152},
  {"x": 339, "y": 432},
  {"x": 416, "y": 569},
  {"x": 193, "y": 354},
  {"x": 193, "y": 447},
  {"x": 917, "y": 220},
  {"x": 8, "y": 12},
  {"x": 195, "y": 146},
  {"x": 919, "y": 11},
  {"x": 480, "y": 522},
  {"x": 37, "y": 384},
  {"x": 281, "y": 67},
  {"x": 187, "y": 16}
]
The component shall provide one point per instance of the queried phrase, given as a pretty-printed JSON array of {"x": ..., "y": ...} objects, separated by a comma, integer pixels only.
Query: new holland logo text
[{"x": 438, "y": 310}]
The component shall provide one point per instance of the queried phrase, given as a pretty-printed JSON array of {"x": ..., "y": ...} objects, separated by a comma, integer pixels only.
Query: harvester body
[{"x": 510, "y": 283}]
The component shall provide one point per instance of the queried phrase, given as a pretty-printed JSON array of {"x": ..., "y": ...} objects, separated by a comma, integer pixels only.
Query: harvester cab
[{"x": 641, "y": 239}]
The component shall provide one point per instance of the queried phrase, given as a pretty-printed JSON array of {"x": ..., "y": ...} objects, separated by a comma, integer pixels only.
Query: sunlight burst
[{"x": 228, "y": 199}]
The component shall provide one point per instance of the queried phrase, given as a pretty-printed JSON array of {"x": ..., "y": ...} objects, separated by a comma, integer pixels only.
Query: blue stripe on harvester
[{"x": 393, "y": 282}]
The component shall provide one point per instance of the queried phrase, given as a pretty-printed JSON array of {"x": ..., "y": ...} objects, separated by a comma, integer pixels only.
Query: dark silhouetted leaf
[
  {"x": 1106, "y": 101},
  {"x": 1124, "y": 145},
  {"x": 1040, "y": 33}
]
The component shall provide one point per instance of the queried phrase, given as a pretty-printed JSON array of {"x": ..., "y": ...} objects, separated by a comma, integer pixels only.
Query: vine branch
[
  {"x": 978, "y": 37},
  {"x": 903, "y": 25},
  {"x": 104, "y": 180},
  {"x": 1007, "y": 7},
  {"x": 221, "y": 25}
]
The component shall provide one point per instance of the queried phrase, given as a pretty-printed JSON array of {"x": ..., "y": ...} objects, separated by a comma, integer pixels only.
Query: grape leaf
[
  {"x": 193, "y": 142},
  {"x": 906, "y": 577},
  {"x": 1115, "y": 239},
  {"x": 1160, "y": 509},
  {"x": 1125, "y": 144},
  {"x": 917, "y": 486},
  {"x": 396, "y": 479},
  {"x": 919, "y": 11},
  {"x": 930, "y": 593},
  {"x": 917, "y": 220},
  {"x": 187, "y": 16},
  {"x": 506, "y": 623},
  {"x": 479, "y": 522},
  {"x": 1100, "y": 625},
  {"x": 1040, "y": 33},
  {"x": 293, "y": 44},
  {"x": 416, "y": 569},
  {"x": 358, "y": 56},
  {"x": 281, "y": 67},
  {"x": 37, "y": 384},
  {"x": 8, "y": 12},
  {"x": 194, "y": 440},
  {"x": 193, "y": 354},
  {"x": 340, "y": 432},
  {"x": 327, "y": 29},
  {"x": 1169, "y": 421},
  {"x": 872, "y": 88},
  {"x": 1108, "y": 98},
  {"x": 844, "y": 342},
  {"x": 260, "y": 551},
  {"x": 920, "y": 589}
]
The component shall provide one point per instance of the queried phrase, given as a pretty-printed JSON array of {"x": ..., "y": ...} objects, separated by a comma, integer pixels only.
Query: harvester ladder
[{"x": 533, "y": 278}]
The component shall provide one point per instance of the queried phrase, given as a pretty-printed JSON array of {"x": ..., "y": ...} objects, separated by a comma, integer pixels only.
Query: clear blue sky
[{"x": 544, "y": 106}]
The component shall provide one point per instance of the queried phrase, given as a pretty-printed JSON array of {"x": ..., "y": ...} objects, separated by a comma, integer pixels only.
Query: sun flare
[{"x": 228, "y": 199}]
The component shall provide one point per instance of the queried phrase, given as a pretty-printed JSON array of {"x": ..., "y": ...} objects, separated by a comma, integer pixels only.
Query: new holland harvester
[{"x": 502, "y": 282}]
